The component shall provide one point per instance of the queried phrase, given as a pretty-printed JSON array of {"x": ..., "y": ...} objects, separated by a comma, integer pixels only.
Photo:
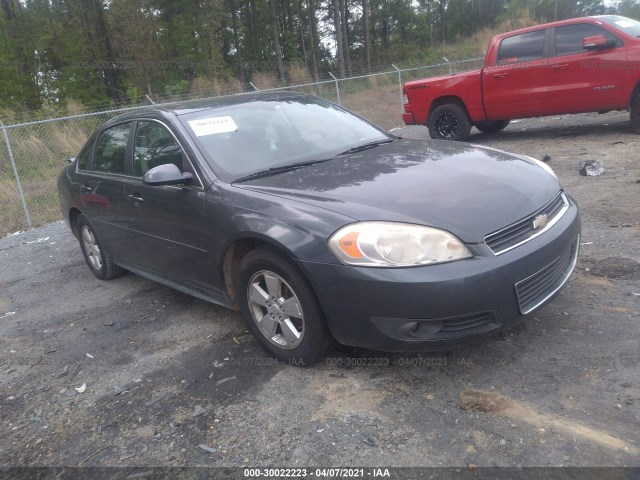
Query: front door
[
  {"x": 167, "y": 222},
  {"x": 581, "y": 80}
]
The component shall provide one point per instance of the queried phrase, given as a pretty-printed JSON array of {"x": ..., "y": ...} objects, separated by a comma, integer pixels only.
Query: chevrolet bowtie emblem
[{"x": 540, "y": 221}]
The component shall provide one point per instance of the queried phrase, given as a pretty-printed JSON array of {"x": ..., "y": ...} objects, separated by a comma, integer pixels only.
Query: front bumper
[{"x": 438, "y": 306}]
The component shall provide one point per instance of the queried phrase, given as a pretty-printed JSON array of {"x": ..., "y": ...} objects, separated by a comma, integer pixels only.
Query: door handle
[
  {"x": 560, "y": 66},
  {"x": 86, "y": 189},
  {"x": 500, "y": 75},
  {"x": 135, "y": 198}
]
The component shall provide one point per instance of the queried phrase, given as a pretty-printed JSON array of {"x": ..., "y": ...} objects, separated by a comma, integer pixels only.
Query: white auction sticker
[{"x": 212, "y": 126}]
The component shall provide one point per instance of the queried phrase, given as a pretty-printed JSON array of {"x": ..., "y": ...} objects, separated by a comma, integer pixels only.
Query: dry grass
[
  {"x": 207, "y": 86},
  {"x": 265, "y": 80},
  {"x": 297, "y": 74},
  {"x": 74, "y": 107}
]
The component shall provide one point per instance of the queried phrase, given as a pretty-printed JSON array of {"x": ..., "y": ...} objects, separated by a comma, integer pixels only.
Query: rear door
[
  {"x": 167, "y": 222},
  {"x": 517, "y": 85},
  {"x": 581, "y": 80},
  {"x": 101, "y": 174}
]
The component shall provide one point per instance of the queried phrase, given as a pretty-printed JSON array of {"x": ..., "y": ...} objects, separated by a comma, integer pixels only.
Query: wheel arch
[
  {"x": 74, "y": 213},
  {"x": 445, "y": 100},
  {"x": 634, "y": 93},
  {"x": 238, "y": 249}
]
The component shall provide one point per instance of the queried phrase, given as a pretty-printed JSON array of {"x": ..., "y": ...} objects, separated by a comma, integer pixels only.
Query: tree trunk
[
  {"x": 367, "y": 40},
  {"x": 345, "y": 34},
  {"x": 236, "y": 40},
  {"x": 94, "y": 11},
  {"x": 253, "y": 28},
  {"x": 313, "y": 33},
  {"x": 304, "y": 47},
  {"x": 276, "y": 40},
  {"x": 338, "y": 28}
]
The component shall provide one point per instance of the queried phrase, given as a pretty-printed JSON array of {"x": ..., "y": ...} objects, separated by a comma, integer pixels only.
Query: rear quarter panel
[
  {"x": 424, "y": 95},
  {"x": 67, "y": 190}
]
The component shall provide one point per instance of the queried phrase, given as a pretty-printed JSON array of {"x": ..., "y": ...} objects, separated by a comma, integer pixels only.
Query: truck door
[
  {"x": 581, "y": 80},
  {"x": 517, "y": 85}
]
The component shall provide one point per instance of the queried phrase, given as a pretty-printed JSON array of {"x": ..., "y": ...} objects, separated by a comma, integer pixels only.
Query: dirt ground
[{"x": 167, "y": 374}]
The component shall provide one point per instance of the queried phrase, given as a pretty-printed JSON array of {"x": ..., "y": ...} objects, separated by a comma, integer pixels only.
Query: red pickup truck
[{"x": 589, "y": 64}]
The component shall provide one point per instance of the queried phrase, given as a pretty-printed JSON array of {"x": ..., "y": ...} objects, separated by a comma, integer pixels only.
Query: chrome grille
[
  {"x": 533, "y": 291},
  {"x": 524, "y": 230}
]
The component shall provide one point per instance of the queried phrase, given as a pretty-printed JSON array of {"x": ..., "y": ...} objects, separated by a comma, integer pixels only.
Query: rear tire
[
  {"x": 449, "y": 122},
  {"x": 635, "y": 115},
  {"x": 492, "y": 127},
  {"x": 97, "y": 258},
  {"x": 280, "y": 308}
]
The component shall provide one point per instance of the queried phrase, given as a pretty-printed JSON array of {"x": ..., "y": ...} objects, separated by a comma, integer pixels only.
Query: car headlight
[
  {"x": 542, "y": 165},
  {"x": 388, "y": 244}
]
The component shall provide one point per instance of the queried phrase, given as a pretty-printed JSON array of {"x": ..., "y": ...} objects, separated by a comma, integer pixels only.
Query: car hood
[{"x": 468, "y": 190}]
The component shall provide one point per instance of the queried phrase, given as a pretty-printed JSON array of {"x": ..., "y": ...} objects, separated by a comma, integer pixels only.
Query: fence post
[
  {"x": 337, "y": 87},
  {"x": 15, "y": 173},
  {"x": 449, "y": 62},
  {"x": 254, "y": 87},
  {"x": 400, "y": 84}
]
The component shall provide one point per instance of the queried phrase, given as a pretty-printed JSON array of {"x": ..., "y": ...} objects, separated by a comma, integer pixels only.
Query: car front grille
[
  {"x": 533, "y": 291},
  {"x": 526, "y": 229}
]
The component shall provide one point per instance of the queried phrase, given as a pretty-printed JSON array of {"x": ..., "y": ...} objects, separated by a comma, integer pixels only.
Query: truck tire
[
  {"x": 635, "y": 115},
  {"x": 492, "y": 127},
  {"x": 449, "y": 122}
]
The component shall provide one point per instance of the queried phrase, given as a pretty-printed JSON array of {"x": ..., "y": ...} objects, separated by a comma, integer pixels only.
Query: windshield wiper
[
  {"x": 365, "y": 146},
  {"x": 281, "y": 169}
]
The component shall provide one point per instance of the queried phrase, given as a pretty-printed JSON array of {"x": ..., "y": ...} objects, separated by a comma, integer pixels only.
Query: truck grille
[
  {"x": 539, "y": 287},
  {"x": 524, "y": 230}
]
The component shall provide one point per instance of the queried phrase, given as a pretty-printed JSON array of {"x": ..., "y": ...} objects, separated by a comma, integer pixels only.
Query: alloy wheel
[{"x": 276, "y": 309}]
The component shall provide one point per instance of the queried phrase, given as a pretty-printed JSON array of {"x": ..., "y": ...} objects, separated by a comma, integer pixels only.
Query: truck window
[
  {"x": 522, "y": 48},
  {"x": 569, "y": 38}
]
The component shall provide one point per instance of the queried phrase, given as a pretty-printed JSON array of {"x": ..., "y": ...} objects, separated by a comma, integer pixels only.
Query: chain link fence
[{"x": 32, "y": 154}]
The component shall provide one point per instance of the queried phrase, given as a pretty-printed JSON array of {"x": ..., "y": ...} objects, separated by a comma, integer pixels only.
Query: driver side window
[
  {"x": 154, "y": 145},
  {"x": 569, "y": 38}
]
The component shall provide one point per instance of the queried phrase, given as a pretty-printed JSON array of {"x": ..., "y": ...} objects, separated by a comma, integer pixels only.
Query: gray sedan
[{"x": 319, "y": 226}]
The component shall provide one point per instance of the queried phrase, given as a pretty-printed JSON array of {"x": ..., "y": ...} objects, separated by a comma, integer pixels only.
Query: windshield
[
  {"x": 247, "y": 138},
  {"x": 626, "y": 25}
]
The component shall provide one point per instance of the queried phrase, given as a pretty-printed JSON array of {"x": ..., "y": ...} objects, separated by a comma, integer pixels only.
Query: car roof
[
  {"x": 597, "y": 19},
  {"x": 192, "y": 106}
]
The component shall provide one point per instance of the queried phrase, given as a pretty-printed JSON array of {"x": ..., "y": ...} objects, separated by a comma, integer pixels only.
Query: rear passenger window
[
  {"x": 569, "y": 38},
  {"x": 83, "y": 158},
  {"x": 522, "y": 48},
  {"x": 111, "y": 149}
]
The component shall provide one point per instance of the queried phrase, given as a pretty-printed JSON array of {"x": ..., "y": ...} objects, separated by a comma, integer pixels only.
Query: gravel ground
[{"x": 167, "y": 374}]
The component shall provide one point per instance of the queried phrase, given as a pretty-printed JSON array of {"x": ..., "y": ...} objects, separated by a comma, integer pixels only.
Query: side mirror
[
  {"x": 71, "y": 159},
  {"x": 167, "y": 174},
  {"x": 598, "y": 42}
]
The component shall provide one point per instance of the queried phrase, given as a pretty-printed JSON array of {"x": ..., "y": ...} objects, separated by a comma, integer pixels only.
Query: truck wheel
[
  {"x": 449, "y": 122},
  {"x": 635, "y": 115},
  {"x": 492, "y": 127}
]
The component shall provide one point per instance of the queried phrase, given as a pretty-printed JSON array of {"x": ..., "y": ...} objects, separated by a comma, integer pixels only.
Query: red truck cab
[{"x": 589, "y": 64}]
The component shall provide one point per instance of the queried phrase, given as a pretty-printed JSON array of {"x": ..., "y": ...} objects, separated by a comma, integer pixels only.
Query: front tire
[
  {"x": 280, "y": 308},
  {"x": 97, "y": 258},
  {"x": 635, "y": 115},
  {"x": 449, "y": 122},
  {"x": 492, "y": 127}
]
